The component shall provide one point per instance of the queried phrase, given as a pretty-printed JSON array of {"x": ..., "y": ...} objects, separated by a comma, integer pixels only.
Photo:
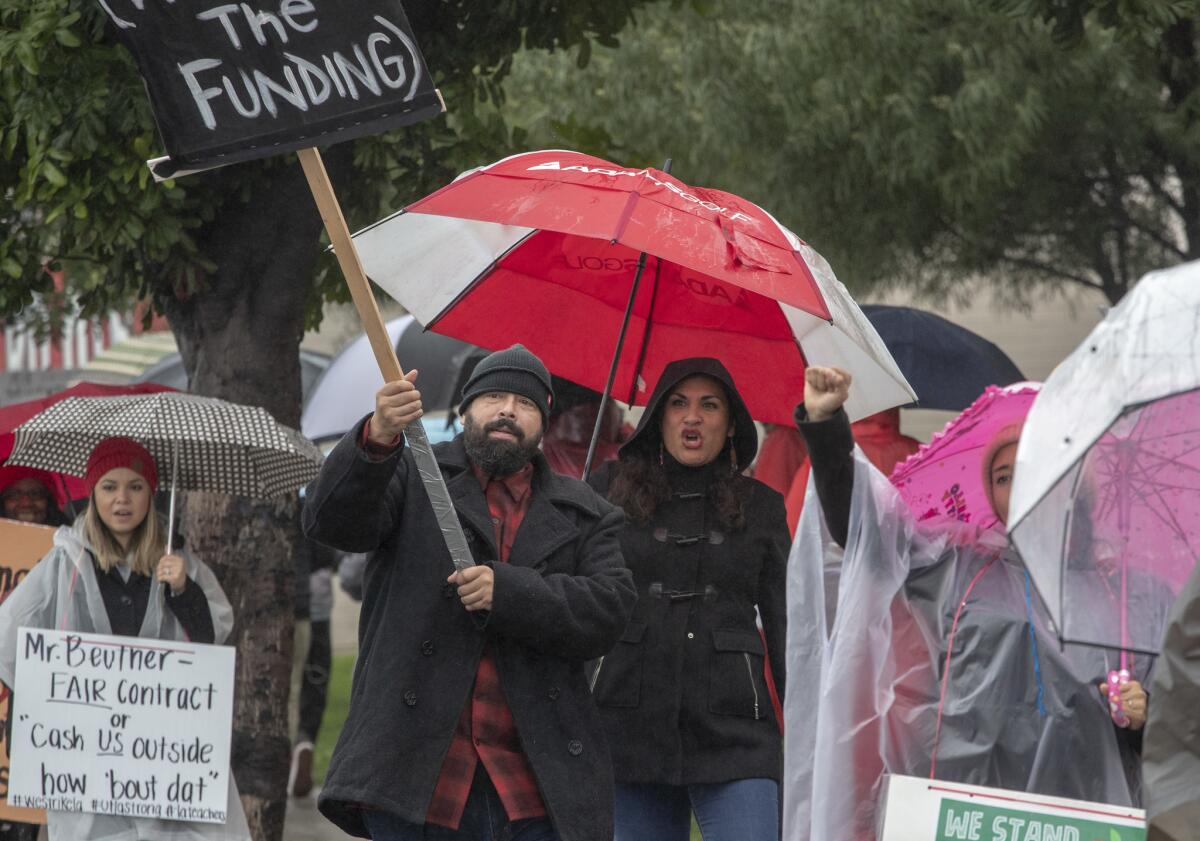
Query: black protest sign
[{"x": 231, "y": 82}]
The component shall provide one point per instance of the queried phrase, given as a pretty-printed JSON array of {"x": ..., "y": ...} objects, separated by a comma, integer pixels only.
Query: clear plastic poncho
[
  {"x": 936, "y": 640},
  {"x": 61, "y": 592}
]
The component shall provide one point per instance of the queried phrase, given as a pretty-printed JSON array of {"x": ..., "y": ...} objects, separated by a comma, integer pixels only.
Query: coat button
[
  {"x": 410, "y": 698},
  {"x": 427, "y": 647},
  {"x": 574, "y": 747},
  {"x": 448, "y": 591},
  {"x": 691, "y": 636},
  {"x": 553, "y": 693}
]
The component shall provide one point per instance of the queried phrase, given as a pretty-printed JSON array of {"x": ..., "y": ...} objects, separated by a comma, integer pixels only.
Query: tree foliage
[
  {"x": 918, "y": 141},
  {"x": 76, "y": 129}
]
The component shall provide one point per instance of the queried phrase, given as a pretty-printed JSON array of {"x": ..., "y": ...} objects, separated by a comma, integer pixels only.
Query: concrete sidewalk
[{"x": 305, "y": 823}]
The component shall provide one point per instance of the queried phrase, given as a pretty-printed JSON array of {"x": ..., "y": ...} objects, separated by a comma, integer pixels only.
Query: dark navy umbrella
[{"x": 947, "y": 365}]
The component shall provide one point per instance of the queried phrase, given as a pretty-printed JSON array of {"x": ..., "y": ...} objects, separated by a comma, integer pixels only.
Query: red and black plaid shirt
[{"x": 486, "y": 731}]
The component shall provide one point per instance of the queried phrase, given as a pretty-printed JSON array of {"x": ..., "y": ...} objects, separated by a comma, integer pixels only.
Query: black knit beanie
[{"x": 514, "y": 370}]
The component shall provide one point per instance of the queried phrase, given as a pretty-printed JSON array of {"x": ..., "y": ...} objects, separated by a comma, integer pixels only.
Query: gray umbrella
[{"x": 210, "y": 444}]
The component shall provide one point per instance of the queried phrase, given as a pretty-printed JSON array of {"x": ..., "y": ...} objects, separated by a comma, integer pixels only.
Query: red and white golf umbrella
[{"x": 543, "y": 248}]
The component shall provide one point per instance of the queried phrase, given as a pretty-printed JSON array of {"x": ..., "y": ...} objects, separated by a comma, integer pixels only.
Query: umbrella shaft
[
  {"x": 612, "y": 370},
  {"x": 171, "y": 507}
]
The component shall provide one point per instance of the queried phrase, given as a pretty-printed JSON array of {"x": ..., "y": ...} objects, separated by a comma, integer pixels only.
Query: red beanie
[{"x": 112, "y": 453}]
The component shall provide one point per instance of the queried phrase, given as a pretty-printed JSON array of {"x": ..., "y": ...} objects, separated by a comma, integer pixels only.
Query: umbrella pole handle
[
  {"x": 612, "y": 370},
  {"x": 171, "y": 507}
]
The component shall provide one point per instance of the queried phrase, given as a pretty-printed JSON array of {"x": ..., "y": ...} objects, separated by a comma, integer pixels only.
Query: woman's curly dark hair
[{"x": 639, "y": 485}]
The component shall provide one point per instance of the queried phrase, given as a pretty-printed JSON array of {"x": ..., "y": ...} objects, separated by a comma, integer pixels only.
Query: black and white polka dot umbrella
[{"x": 205, "y": 443}]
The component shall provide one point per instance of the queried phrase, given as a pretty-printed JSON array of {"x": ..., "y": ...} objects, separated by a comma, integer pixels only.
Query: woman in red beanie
[{"x": 110, "y": 574}]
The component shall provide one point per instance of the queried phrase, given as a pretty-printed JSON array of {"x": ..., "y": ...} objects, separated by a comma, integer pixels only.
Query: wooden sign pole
[
  {"x": 352, "y": 269},
  {"x": 385, "y": 354}
]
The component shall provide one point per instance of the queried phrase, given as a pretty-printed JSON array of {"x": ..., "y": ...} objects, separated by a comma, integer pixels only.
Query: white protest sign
[
  {"x": 122, "y": 726},
  {"x": 917, "y": 809}
]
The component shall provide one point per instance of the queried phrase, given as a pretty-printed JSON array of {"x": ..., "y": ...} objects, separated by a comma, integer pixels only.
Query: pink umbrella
[{"x": 943, "y": 481}]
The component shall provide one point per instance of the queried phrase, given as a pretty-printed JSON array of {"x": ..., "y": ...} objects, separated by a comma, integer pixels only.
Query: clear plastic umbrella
[{"x": 1105, "y": 507}]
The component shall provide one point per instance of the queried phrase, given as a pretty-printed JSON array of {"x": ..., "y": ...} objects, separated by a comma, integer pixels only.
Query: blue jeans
[
  {"x": 741, "y": 810},
  {"x": 484, "y": 819}
]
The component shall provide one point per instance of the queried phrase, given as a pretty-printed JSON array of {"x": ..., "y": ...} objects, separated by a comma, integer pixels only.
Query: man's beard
[{"x": 498, "y": 457}]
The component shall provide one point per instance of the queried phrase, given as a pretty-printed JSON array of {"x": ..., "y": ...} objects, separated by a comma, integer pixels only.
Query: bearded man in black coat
[{"x": 470, "y": 715}]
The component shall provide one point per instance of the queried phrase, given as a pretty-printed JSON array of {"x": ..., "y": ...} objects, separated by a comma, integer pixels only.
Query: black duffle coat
[
  {"x": 563, "y": 598},
  {"x": 683, "y": 694}
]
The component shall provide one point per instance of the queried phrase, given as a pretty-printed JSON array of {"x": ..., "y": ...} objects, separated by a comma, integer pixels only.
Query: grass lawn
[
  {"x": 335, "y": 716},
  {"x": 336, "y": 705}
]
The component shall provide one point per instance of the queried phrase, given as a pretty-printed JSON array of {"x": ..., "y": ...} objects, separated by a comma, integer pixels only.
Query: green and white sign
[{"x": 917, "y": 809}]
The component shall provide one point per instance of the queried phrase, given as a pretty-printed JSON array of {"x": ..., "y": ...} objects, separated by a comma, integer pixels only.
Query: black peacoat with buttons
[
  {"x": 683, "y": 694},
  {"x": 563, "y": 598}
]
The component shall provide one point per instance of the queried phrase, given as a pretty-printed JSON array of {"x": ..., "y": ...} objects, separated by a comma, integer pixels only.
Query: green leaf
[
  {"x": 26, "y": 56},
  {"x": 11, "y": 267},
  {"x": 67, "y": 38},
  {"x": 53, "y": 174}
]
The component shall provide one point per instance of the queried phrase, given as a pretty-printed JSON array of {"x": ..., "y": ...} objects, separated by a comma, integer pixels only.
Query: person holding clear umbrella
[
  {"x": 939, "y": 663},
  {"x": 110, "y": 573}
]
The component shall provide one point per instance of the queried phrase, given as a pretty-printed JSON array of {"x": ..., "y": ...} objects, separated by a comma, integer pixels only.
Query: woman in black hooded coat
[{"x": 683, "y": 695}]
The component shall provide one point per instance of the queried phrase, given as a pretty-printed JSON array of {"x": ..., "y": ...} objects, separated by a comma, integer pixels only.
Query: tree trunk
[{"x": 239, "y": 337}]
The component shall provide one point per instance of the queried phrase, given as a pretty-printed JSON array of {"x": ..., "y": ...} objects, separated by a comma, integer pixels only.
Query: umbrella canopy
[
  {"x": 947, "y": 365},
  {"x": 16, "y": 414},
  {"x": 544, "y": 249},
  {"x": 346, "y": 392},
  {"x": 1105, "y": 506},
  {"x": 211, "y": 445},
  {"x": 942, "y": 482}
]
